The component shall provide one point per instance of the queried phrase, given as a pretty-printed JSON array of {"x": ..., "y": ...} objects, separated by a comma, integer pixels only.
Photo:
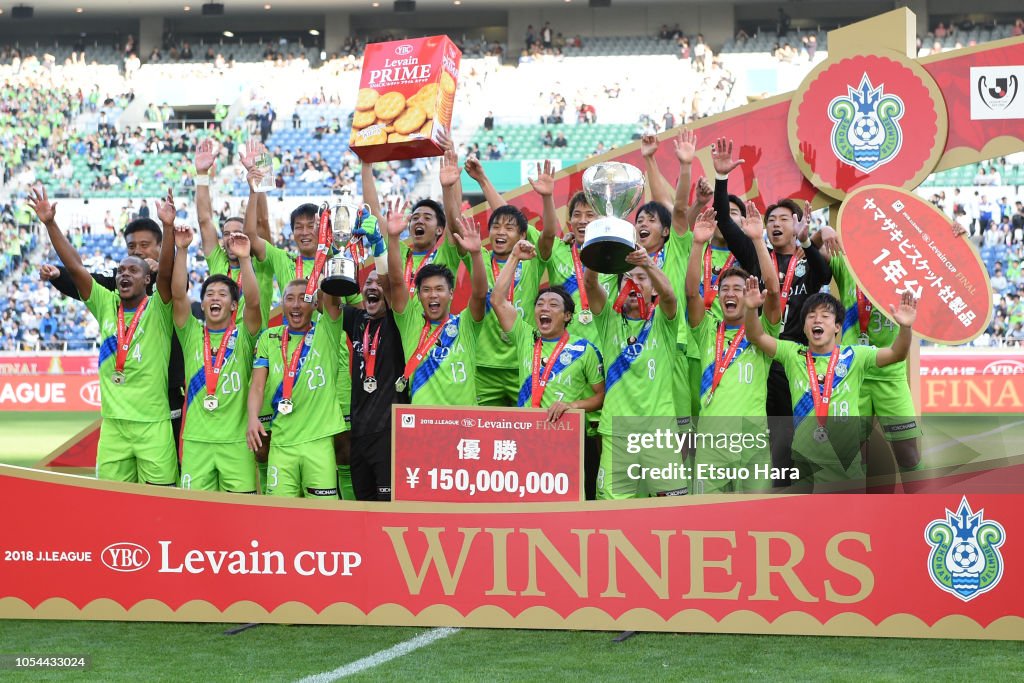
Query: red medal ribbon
[
  {"x": 370, "y": 348},
  {"x": 539, "y": 382},
  {"x": 495, "y": 271},
  {"x": 288, "y": 381},
  {"x": 323, "y": 245},
  {"x": 624, "y": 293},
  {"x": 124, "y": 339},
  {"x": 822, "y": 395},
  {"x": 210, "y": 367},
  {"x": 711, "y": 290},
  {"x": 427, "y": 339},
  {"x": 787, "y": 283},
  {"x": 722, "y": 363},
  {"x": 864, "y": 308},
  {"x": 577, "y": 267},
  {"x": 410, "y": 276}
]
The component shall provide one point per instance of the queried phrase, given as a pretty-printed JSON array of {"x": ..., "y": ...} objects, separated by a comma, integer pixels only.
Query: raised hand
[
  {"x": 469, "y": 240},
  {"x": 721, "y": 157},
  {"x": 648, "y": 145},
  {"x": 40, "y": 203},
  {"x": 205, "y": 158},
  {"x": 704, "y": 227},
  {"x": 254, "y": 177},
  {"x": 830, "y": 240},
  {"x": 395, "y": 210},
  {"x": 250, "y": 153},
  {"x": 802, "y": 225},
  {"x": 183, "y": 236},
  {"x": 753, "y": 224},
  {"x": 165, "y": 209},
  {"x": 48, "y": 272},
  {"x": 906, "y": 313},
  {"x": 753, "y": 295},
  {"x": 685, "y": 144},
  {"x": 238, "y": 245},
  {"x": 444, "y": 141},
  {"x": 450, "y": 171},
  {"x": 474, "y": 169},
  {"x": 640, "y": 257},
  {"x": 524, "y": 250},
  {"x": 705, "y": 193},
  {"x": 544, "y": 185}
]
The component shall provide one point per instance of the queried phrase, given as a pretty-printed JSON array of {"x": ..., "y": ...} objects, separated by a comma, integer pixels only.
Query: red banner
[
  {"x": 972, "y": 383},
  {"x": 51, "y": 393},
  {"x": 813, "y": 564},
  {"x": 497, "y": 455},
  {"x": 896, "y": 242},
  {"x": 76, "y": 363}
]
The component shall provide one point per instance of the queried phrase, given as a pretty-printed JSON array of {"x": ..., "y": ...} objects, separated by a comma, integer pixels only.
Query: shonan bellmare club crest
[
  {"x": 965, "y": 558},
  {"x": 867, "y": 132}
]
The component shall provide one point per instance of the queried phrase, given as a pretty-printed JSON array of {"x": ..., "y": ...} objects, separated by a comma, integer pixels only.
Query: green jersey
[
  {"x": 743, "y": 389},
  {"x": 881, "y": 330},
  {"x": 218, "y": 264},
  {"x": 561, "y": 271},
  {"x": 447, "y": 373},
  {"x": 444, "y": 253},
  {"x": 142, "y": 395},
  {"x": 854, "y": 362},
  {"x": 315, "y": 413},
  {"x": 285, "y": 268},
  {"x": 577, "y": 368},
  {"x": 639, "y": 357},
  {"x": 675, "y": 260},
  {"x": 496, "y": 351},
  {"x": 226, "y": 423}
]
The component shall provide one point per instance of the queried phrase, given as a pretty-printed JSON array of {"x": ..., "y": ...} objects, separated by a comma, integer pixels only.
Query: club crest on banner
[
  {"x": 965, "y": 559},
  {"x": 867, "y": 132}
]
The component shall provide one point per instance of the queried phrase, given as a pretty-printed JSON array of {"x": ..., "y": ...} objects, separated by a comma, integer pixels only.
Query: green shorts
[
  {"x": 889, "y": 400},
  {"x": 742, "y": 465},
  {"x": 343, "y": 388},
  {"x": 681, "y": 383},
  {"x": 649, "y": 472},
  {"x": 228, "y": 467},
  {"x": 497, "y": 387},
  {"x": 836, "y": 460},
  {"x": 140, "y": 452},
  {"x": 303, "y": 470}
]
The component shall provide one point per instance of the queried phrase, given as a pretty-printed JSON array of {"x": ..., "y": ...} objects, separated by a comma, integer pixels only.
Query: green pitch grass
[{"x": 26, "y": 438}]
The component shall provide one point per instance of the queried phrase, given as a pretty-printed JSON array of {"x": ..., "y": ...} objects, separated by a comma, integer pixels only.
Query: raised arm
[
  {"x": 451, "y": 189},
  {"x": 905, "y": 315},
  {"x": 704, "y": 193},
  {"x": 753, "y": 228},
  {"x": 475, "y": 170},
  {"x": 685, "y": 144},
  {"x": 662, "y": 285},
  {"x": 251, "y": 224},
  {"x": 721, "y": 157},
  {"x": 703, "y": 230},
  {"x": 503, "y": 308},
  {"x": 205, "y": 169},
  {"x": 399, "y": 294},
  {"x": 753, "y": 297},
  {"x": 47, "y": 213},
  {"x": 598, "y": 298},
  {"x": 544, "y": 186},
  {"x": 468, "y": 239},
  {"x": 182, "y": 307},
  {"x": 370, "y": 196},
  {"x": 238, "y": 246},
  {"x": 661, "y": 190},
  {"x": 819, "y": 273},
  {"x": 166, "y": 211}
]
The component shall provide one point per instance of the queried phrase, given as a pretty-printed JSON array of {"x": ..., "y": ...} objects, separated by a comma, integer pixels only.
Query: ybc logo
[
  {"x": 403, "y": 50},
  {"x": 999, "y": 92},
  {"x": 125, "y": 557},
  {"x": 866, "y": 133},
  {"x": 965, "y": 558},
  {"x": 90, "y": 393}
]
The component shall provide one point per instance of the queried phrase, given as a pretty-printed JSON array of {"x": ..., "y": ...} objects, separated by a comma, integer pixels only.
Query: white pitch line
[
  {"x": 383, "y": 656},
  {"x": 973, "y": 437}
]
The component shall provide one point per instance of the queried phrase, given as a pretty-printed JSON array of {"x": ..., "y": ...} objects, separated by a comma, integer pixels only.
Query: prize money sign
[
  {"x": 896, "y": 242},
  {"x": 469, "y": 455}
]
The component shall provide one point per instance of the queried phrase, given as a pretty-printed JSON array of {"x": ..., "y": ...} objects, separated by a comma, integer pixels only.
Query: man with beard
[
  {"x": 218, "y": 362},
  {"x": 136, "y": 443},
  {"x": 549, "y": 355},
  {"x": 801, "y": 274}
]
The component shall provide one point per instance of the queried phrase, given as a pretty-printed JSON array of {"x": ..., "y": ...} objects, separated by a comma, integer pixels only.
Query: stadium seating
[{"x": 524, "y": 142}]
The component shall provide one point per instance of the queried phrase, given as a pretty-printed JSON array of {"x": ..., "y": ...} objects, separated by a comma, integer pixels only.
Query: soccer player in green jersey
[
  {"x": 638, "y": 344},
  {"x": 296, "y": 364},
  {"x": 549, "y": 355},
  {"x": 218, "y": 365},
  {"x": 733, "y": 424},
  {"x": 136, "y": 443},
  {"x": 440, "y": 348},
  {"x": 219, "y": 259},
  {"x": 825, "y": 380}
]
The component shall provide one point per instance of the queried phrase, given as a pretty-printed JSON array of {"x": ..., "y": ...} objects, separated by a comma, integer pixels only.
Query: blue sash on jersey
[
  {"x": 526, "y": 391},
  {"x": 430, "y": 365},
  {"x": 709, "y": 371},
  {"x": 515, "y": 283},
  {"x": 279, "y": 393},
  {"x": 197, "y": 383},
  {"x": 805, "y": 406},
  {"x": 108, "y": 348},
  {"x": 852, "y": 317},
  {"x": 625, "y": 360}
]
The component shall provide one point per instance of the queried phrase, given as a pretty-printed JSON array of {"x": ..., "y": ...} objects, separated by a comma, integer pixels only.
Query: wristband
[
  {"x": 806, "y": 243},
  {"x": 719, "y": 176},
  {"x": 381, "y": 263},
  {"x": 202, "y": 180}
]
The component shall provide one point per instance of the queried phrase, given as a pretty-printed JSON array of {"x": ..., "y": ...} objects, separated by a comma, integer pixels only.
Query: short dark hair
[
  {"x": 657, "y": 210},
  {"x": 297, "y": 282},
  {"x": 785, "y": 204},
  {"x": 223, "y": 279},
  {"x": 144, "y": 225},
  {"x": 302, "y": 211},
  {"x": 732, "y": 271},
  {"x": 435, "y": 270},
  {"x": 229, "y": 219},
  {"x": 576, "y": 199},
  {"x": 733, "y": 199},
  {"x": 433, "y": 206},
  {"x": 567, "y": 303},
  {"x": 817, "y": 300},
  {"x": 512, "y": 211}
]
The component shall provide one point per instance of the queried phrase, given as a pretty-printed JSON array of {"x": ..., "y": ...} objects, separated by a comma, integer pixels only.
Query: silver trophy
[
  {"x": 614, "y": 190},
  {"x": 340, "y": 270}
]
